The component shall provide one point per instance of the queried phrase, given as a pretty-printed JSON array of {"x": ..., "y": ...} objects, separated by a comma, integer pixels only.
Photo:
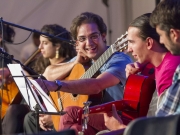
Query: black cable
[{"x": 20, "y": 42}]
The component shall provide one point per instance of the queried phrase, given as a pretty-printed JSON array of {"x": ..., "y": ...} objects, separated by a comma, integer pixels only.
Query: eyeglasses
[{"x": 94, "y": 37}]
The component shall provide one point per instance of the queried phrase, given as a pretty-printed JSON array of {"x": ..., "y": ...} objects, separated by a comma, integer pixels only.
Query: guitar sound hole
[{"x": 74, "y": 95}]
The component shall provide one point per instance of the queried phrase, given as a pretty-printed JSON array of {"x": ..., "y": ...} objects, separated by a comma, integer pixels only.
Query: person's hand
[
  {"x": 113, "y": 122},
  {"x": 47, "y": 86},
  {"x": 4, "y": 72},
  {"x": 81, "y": 57},
  {"x": 45, "y": 122},
  {"x": 132, "y": 68}
]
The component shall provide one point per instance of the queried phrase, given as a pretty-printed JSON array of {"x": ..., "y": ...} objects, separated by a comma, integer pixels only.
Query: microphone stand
[
  {"x": 28, "y": 69},
  {"x": 11, "y": 57},
  {"x": 2, "y": 45},
  {"x": 33, "y": 30},
  {"x": 37, "y": 108}
]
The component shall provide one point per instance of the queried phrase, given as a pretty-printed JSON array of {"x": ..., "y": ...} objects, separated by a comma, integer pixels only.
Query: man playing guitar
[{"x": 143, "y": 43}]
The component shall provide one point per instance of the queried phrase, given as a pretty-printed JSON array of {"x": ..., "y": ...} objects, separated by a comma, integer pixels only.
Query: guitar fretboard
[
  {"x": 120, "y": 44},
  {"x": 97, "y": 65}
]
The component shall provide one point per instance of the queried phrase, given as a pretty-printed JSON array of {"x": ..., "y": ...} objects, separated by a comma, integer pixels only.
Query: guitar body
[
  {"x": 138, "y": 93},
  {"x": 68, "y": 99},
  {"x": 78, "y": 72},
  {"x": 10, "y": 94},
  {"x": 138, "y": 88}
]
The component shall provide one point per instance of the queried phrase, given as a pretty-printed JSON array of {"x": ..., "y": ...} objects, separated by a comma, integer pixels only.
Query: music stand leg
[{"x": 37, "y": 117}]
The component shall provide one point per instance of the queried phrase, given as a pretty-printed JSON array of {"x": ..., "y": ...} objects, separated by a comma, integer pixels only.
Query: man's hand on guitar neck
[
  {"x": 113, "y": 122},
  {"x": 133, "y": 68}
]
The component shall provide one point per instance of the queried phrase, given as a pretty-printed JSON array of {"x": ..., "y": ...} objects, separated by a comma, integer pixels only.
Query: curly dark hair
[
  {"x": 87, "y": 17},
  {"x": 40, "y": 64},
  {"x": 66, "y": 49}
]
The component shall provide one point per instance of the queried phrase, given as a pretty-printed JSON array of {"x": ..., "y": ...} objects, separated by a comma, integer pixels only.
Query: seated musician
[
  {"x": 143, "y": 43},
  {"x": 89, "y": 30},
  {"x": 54, "y": 52},
  {"x": 53, "y": 49},
  {"x": 10, "y": 125}
]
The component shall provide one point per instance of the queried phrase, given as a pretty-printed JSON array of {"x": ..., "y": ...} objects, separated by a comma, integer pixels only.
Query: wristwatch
[{"x": 59, "y": 83}]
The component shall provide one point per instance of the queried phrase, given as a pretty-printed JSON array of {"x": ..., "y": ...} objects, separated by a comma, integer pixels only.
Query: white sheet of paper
[
  {"x": 29, "y": 94},
  {"x": 47, "y": 101}
]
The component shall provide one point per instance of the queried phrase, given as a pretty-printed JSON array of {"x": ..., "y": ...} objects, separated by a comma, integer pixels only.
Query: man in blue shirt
[{"x": 89, "y": 31}]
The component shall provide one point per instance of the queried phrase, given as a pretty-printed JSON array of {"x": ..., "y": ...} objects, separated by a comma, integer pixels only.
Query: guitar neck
[
  {"x": 107, "y": 107},
  {"x": 119, "y": 45},
  {"x": 120, "y": 105},
  {"x": 98, "y": 64}
]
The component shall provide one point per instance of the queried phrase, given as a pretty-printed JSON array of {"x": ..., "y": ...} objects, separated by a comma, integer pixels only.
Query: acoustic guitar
[
  {"x": 78, "y": 72},
  {"x": 9, "y": 94},
  {"x": 138, "y": 93}
]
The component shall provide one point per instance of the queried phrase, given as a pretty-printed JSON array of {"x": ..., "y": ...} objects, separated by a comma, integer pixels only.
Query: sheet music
[{"x": 29, "y": 94}]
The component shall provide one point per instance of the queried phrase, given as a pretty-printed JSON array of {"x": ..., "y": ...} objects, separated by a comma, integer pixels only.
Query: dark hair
[
  {"x": 8, "y": 32},
  {"x": 145, "y": 29},
  {"x": 166, "y": 15},
  {"x": 35, "y": 35},
  {"x": 66, "y": 50},
  {"x": 87, "y": 17},
  {"x": 40, "y": 64}
]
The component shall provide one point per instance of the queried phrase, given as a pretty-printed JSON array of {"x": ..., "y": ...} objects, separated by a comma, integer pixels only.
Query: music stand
[{"x": 33, "y": 94}]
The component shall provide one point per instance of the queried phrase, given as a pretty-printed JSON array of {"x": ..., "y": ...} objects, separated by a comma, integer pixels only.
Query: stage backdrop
[{"x": 34, "y": 14}]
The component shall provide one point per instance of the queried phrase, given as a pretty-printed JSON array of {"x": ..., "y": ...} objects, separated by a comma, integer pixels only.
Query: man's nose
[{"x": 129, "y": 49}]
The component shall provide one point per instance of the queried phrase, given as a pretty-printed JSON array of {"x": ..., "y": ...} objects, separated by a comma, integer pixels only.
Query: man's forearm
[{"x": 82, "y": 86}]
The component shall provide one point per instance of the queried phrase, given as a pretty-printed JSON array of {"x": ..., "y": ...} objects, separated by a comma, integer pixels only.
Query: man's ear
[
  {"x": 149, "y": 43},
  {"x": 175, "y": 35},
  {"x": 103, "y": 37}
]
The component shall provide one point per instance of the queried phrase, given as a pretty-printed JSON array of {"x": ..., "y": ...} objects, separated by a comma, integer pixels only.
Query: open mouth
[{"x": 91, "y": 50}]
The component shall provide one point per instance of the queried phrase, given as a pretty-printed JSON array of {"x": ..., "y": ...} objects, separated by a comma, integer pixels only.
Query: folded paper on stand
[{"x": 26, "y": 87}]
